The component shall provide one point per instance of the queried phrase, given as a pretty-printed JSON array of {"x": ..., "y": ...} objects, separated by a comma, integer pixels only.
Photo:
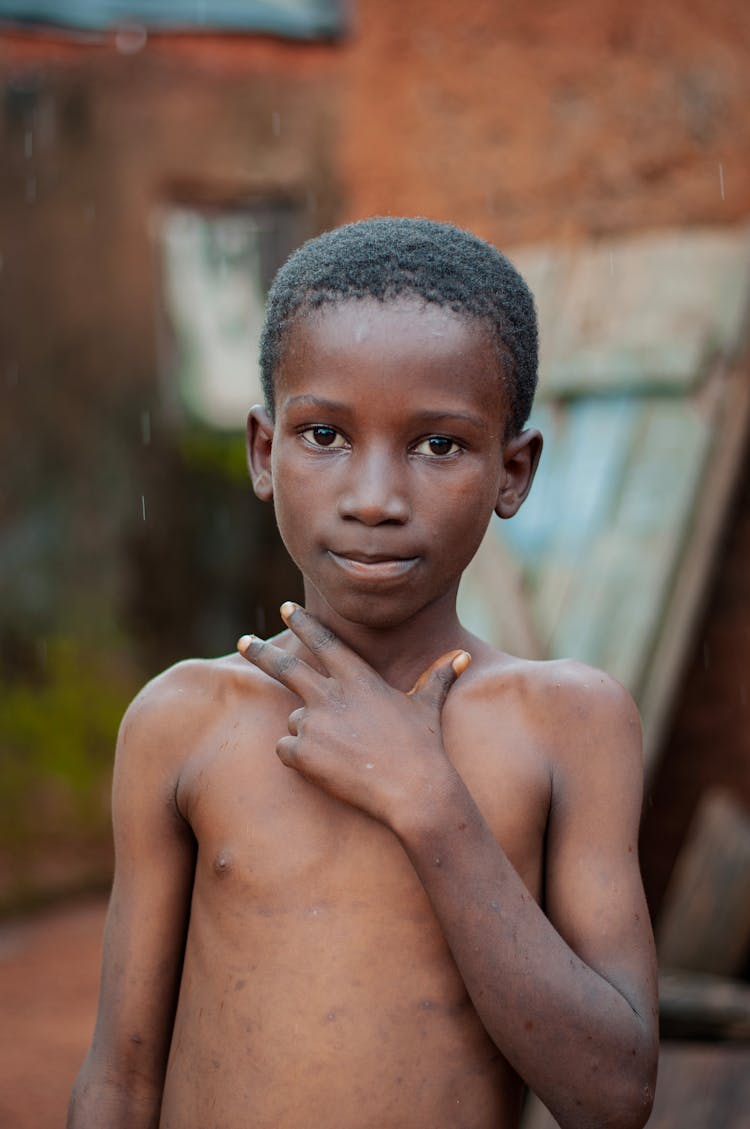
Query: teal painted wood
[
  {"x": 583, "y": 461},
  {"x": 636, "y": 338},
  {"x": 601, "y": 535},
  {"x": 293, "y": 18}
]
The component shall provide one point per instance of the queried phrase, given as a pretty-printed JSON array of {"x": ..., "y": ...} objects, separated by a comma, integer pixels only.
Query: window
[{"x": 217, "y": 264}]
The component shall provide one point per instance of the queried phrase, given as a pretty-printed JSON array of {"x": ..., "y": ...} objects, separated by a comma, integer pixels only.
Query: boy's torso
[{"x": 317, "y": 987}]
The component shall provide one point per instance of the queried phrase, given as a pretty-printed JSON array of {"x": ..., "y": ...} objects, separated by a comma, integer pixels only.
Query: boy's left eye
[
  {"x": 436, "y": 445},
  {"x": 322, "y": 436}
]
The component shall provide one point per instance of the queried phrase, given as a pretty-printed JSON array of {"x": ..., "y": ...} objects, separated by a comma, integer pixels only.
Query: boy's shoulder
[
  {"x": 564, "y": 707},
  {"x": 179, "y": 703},
  {"x": 562, "y": 684}
]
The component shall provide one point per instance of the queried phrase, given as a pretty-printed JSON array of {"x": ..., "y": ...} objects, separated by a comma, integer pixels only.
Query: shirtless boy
[{"x": 374, "y": 874}]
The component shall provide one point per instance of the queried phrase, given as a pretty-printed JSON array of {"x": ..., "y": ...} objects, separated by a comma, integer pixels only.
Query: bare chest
[
  {"x": 269, "y": 839},
  {"x": 312, "y": 941}
]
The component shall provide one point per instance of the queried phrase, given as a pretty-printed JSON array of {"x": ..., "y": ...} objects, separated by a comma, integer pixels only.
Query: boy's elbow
[
  {"x": 629, "y": 1099},
  {"x": 642, "y": 1091},
  {"x": 631, "y": 1107},
  {"x": 639, "y": 1082},
  {"x": 622, "y": 1100}
]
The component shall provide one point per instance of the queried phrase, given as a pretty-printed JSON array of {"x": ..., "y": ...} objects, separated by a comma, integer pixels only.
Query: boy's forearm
[{"x": 526, "y": 983}]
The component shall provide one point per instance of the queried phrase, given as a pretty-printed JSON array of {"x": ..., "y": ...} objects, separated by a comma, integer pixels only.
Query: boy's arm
[
  {"x": 568, "y": 998},
  {"x": 120, "y": 1082}
]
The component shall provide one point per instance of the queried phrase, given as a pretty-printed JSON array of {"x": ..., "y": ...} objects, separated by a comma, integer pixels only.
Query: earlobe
[
  {"x": 520, "y": 458},
  {"x": 259, "y": 441}
]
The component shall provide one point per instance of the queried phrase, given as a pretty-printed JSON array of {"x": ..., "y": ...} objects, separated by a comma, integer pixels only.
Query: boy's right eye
[{"x": 320, "y": 435}]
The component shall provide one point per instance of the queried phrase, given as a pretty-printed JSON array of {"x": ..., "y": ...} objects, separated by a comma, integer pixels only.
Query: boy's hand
[{"x": 355, "y": 736}]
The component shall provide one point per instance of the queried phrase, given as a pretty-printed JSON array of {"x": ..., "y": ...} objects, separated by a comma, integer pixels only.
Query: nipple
[{"x": 222, "y": 863}]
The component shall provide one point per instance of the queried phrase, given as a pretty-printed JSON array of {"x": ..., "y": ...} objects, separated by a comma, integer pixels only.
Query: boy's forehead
[
  {"x": 405, "y": 322},
  {"x": 454, "y": 353}
]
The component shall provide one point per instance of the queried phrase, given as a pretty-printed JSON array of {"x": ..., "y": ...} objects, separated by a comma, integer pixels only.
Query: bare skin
[{"x": 364, "y": 880}]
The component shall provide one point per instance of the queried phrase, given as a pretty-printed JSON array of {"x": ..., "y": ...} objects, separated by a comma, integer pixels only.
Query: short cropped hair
[{"x": 387, "y": 257}]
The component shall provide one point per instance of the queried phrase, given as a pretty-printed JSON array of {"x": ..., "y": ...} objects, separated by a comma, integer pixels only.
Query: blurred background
[{"x": 154, "y": 173}]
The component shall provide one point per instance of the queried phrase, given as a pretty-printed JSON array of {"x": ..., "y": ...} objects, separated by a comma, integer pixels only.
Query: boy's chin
[{"x": 377, "y": 613}]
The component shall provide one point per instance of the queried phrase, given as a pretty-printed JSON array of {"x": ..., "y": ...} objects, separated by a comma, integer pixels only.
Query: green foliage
[
  {"x": 215, "y": 454},
  {"x": 56, "y": 745}
]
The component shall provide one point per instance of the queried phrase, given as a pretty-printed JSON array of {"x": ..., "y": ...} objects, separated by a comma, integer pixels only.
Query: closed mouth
[{"x": 373, "y": 565}]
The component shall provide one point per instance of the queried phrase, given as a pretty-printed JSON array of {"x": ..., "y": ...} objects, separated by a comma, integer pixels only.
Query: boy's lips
[{"x": 372, "y": 566}]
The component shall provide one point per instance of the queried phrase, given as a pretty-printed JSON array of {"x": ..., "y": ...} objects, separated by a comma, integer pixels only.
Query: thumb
[{"x": 433, "y": 684}]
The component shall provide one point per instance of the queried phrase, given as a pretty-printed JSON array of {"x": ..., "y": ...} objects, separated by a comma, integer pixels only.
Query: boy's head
[{"x": 385, "y": 258}]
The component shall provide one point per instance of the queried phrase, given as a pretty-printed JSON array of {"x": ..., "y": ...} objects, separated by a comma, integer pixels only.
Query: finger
[
  {"x": 287, "y": 669},
  {"x": 295, "y": 719},
  {"x": 286, "y": 751},
  {"x": 433, "y": 684},
  {"x": 335, "y": 656}
]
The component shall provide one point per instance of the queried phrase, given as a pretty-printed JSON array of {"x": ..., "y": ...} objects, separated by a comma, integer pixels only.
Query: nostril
[
  {"x": 373, "y": 509},
  {"x": 374, "y": 515}
]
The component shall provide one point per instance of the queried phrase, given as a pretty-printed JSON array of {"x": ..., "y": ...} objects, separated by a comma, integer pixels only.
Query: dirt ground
[{"x": 49, "y": 973}]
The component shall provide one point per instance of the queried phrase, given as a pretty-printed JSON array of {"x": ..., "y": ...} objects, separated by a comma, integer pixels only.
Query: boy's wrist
[{"x": 443, "y": 803}]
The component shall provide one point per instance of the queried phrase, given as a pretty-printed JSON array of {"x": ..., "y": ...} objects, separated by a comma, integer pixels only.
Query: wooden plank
[
  {"x": 704, "y": 925},
  {"x": 682, "y": 613},
  {"x": 696, "y": 1005},
  {"x": 640, "y": 313},
  {"x": 493, "y": 602},
  {"x": 702, "y": 1087},
  {"x": 579, "y": 477}
]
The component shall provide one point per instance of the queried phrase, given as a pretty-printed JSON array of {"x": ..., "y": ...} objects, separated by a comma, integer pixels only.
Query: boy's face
[{"x": 386, "y": 457}]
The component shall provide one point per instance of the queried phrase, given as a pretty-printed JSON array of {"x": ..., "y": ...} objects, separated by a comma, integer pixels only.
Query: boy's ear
[
  {"x": 520, "y": 459},
  {"x": 259, "y": 441}
]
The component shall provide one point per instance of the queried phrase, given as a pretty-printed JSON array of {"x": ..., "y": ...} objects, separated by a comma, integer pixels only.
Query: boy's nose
[{"x": 374, "y": 491}]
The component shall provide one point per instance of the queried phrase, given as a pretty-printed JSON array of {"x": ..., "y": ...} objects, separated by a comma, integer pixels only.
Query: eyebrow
[
  {"x": 316, "y": 402},
  {"x": 448, "y": 414},
  {"x": 428, "y": 416}
]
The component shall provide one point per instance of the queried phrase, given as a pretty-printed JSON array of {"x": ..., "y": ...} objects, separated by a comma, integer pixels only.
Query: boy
[{"x": 431, "y": 891}]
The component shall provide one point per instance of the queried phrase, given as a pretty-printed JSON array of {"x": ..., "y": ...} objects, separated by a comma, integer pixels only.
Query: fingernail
[
  {"x": 461, "y": 662},
  {"x": 287, "y": 608},
  {"x": 244, "y": 642}
]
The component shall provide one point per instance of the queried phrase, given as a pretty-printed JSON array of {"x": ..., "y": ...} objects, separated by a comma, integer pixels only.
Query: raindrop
[
  {"x": 143, "y": 506},
  {"x": 146, "y": 427},
  {"x": 130, "y": 38},
  {"x": 276, "y": 123},
  {"x": 721, "y": 179}
]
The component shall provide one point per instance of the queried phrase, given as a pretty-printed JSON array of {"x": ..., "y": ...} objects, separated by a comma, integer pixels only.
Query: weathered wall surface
[{"x": 550, "y": 120}]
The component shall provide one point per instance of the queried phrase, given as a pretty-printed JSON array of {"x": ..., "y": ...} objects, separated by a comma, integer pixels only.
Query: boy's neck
[{"x": 399, "y": 654}]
